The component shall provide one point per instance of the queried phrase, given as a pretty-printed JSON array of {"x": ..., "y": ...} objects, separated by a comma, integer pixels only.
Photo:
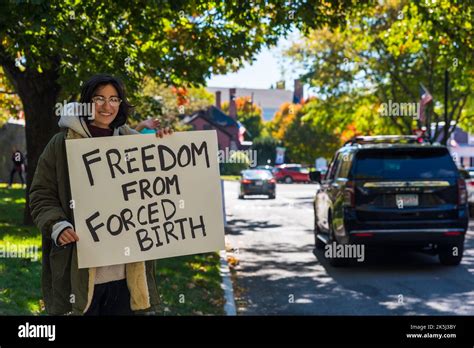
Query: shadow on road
[
  {"x": 240, "y": 226},
  {"x": 283, "y": 281}
]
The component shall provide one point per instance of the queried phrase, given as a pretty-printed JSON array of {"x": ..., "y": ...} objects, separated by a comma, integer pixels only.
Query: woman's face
[{"x": 106, "y": 113}]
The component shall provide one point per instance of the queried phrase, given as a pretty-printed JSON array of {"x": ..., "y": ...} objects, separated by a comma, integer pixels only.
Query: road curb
[{"x": 226, "y": 285}]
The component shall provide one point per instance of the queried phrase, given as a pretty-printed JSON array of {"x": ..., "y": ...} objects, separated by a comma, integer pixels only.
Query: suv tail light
[
  {"x": 246, "y": 181},
  {"x": 272, "y": 181},
  {"x": 452, "y": 233},
  {"x": 462, "y": 192},
  {"x": 349, "y": 194}
]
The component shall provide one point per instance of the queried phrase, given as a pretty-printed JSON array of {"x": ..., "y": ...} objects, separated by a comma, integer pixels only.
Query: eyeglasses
[{"x": 113, "y": 101}]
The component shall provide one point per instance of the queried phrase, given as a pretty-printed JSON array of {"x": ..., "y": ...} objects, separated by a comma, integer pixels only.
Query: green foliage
[
  {"x": 230, "y": 177},
  {"x": 320, "y": 126},
  {"x": 177, "y": 42},
  {"x": 312, "y": 134},
  {"x": 163, "y": 102},
  {"x": 10, "y": 103},
  {"x": 190, "y": 285},
  {"x": 266, "y": 149},
  {"x": 20, "y": 289},
  {"x": 385, "y": 52},
  {"x": 307, "y": 131},
  {"x": 237, "y": 162}
]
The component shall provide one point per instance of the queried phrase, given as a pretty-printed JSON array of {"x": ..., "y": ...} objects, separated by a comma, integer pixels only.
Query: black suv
[{"x": 392, "y": 191}]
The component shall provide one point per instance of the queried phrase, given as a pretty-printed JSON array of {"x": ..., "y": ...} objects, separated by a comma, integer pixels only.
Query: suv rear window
[{"x": 413, "y": 163}]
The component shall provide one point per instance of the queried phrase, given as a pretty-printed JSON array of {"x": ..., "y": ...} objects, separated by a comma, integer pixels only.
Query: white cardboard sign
[{"x": 139, "y": 197}]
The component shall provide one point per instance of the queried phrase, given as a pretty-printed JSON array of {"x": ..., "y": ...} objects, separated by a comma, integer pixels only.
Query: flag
[
  {"x": 242, "y": 131},
  {"x": 425, "y": 98}
]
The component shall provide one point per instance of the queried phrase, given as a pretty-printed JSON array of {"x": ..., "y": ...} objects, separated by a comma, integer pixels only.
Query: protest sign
[{"x": 139, "y": 197}]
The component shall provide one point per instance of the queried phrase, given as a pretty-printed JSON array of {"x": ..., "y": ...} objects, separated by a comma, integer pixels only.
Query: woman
[{"x": 111, "y": 290}]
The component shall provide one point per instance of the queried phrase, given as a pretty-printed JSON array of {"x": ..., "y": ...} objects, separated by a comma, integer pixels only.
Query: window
[
  {"x": 427, "y": 163},
  {"x": 257, "y": 174},
  {"x": 345, "y": 165},
  {"x": 333, "y": 166}
]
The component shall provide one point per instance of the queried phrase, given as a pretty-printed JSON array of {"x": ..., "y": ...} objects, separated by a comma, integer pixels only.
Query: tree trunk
[{"x": 38, "y": 93}]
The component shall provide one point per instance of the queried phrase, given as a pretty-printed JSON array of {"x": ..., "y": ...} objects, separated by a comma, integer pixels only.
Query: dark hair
[{"x": 99, "y": 80}]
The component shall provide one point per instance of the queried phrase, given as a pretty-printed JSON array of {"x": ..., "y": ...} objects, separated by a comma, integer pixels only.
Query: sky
[{"x": 265, "y": 71}]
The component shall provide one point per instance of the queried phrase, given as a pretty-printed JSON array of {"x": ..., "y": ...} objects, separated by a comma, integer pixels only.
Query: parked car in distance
[
  {"x": 289, "y": 173},
  {"x": 257, "y": 182},
  {"x": 468, "y": 175},
  {"x": 381, "y": 195}
]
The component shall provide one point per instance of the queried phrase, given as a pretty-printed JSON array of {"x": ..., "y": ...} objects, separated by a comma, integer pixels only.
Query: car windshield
[
  {"x": 257, "y": 174},
  {"x": 428, "y": 163}
]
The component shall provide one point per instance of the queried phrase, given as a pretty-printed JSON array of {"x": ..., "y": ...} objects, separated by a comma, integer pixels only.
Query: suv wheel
[
  {"x": 449, "y": 256},
  {"x": 288, "y": 180}
]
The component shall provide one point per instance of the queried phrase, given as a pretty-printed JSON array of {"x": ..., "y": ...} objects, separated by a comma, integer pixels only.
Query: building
[
  {"x": 213, "y": 118},
  {"x": 269, "y": 100},
  {"x": 229, "y": 131}
]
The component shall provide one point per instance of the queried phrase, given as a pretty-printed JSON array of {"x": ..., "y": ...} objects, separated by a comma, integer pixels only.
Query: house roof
[{"x": 215, "y": 117}]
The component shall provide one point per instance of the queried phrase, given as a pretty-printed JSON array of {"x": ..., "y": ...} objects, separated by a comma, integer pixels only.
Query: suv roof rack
[{"x": 386, "y": 139}]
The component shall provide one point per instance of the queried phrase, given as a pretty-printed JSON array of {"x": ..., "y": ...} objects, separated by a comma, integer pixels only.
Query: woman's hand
[
  {"x": 67, "y": 236},
  {"x": 150, "y": 124},
  {"x": 166, "y": 131}
]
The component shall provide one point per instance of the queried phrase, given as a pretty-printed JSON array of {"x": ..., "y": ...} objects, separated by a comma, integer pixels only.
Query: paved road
[{"x": 279, "y": 274}]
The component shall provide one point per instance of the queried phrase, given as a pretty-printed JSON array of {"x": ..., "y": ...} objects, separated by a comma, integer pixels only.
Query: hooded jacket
[{"x": 66, "y": 288}]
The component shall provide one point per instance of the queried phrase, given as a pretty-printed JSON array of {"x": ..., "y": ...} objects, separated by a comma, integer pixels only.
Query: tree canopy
[
  {"x": 48, "y": 48},
  {"x": 384, "y": 54}
]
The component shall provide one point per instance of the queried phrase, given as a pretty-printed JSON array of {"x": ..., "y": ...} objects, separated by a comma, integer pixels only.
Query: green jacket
[{"x": 66, "y": 288}]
